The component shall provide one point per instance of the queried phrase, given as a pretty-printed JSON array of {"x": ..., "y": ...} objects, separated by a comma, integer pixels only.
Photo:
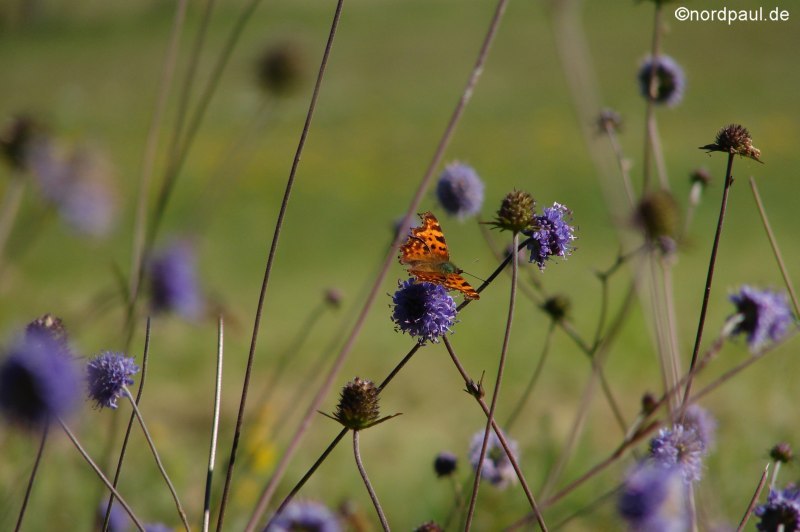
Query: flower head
[
  {"x": 423, "y": 310},
  {"x": 553, "y": 235},
  {"x": 652, "y": 499},
  {"x": 304, "y": 515},
  {"x": 358, "y": 404},
  {"x": 173, "y": 281},
  {"x": 557, "y": 307},
  {"x": 782, "y": 452},
  {"x": 781, "y": 511},
  {"x": 460, "y": 190},
  {"x": 16, "y": 139},
  {"x": 516, "y": 213},
  {"x": 734, "y": 139},
  {"x": 108, "y": 373},
  {"x": 679, "y": 447},
  {"x": 118, "y": 518},
  {"x": 38, "y": 382},
  {"x": 698, "y": 418},
  {"x": 609, "y": 121},
  {"x": 430, "y": 526},
  {"x": 280, "y": 68},
  {"x": 765, "y": 316},
  {"x": 445, "y": 464},
  {"x": 670, "y": 82},
  {"x": 657, "y": 214},
  {"x": 50, "y": 327},
  {"x": 496, "y": 468}
]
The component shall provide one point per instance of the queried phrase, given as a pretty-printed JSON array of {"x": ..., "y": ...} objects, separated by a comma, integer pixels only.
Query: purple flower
[
  {"x": 173, "y": 281},
  {"x": 496, "y": 468},
  {"x": 669, "y": 79},
  {"x": 553, "y": 236},
  {"x": 679, "y": 447},
  {"x": 703, "y": 423},
  {"x": 157, "y": 527},
  {"x": 781, "y": 512},
  {"x": 652, "y": 499},
  {"x": 108, "y": 373},
  {"x": 38, "y": 381},
  {"x": 304, "y": 515},
  {"x": 460, "y": 190},
  {"x": 423, "y": 310},
  {"x": 765, "y": 316},
  {"x": 118, "y": 518}
]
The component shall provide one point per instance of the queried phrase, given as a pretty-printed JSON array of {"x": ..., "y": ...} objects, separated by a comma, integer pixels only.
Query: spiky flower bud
[
  {"x": 557, "y": 306},
  {"x": 516, "y": 213},
  {"x": 609, "y": 121},
  {"x": 657, "y": 214},
  {"x": 735, "y": 139},
  {"x": 358, "y": 404},
  {"x": 782, "y": 452}
]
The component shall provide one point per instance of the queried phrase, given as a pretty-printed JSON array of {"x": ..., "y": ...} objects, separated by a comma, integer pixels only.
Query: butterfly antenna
[{"x": 475, "y": 276}]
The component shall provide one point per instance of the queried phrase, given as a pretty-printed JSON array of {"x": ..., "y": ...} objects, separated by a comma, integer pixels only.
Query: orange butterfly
[{"x": 425, "y": 254}]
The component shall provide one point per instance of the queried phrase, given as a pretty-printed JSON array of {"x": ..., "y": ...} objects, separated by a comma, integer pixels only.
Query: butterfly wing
[
  {"x": 426, "y": 243},
  {"x": 451, "y": 281}
]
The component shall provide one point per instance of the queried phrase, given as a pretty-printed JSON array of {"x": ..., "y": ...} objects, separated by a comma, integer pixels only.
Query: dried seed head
[
  {"x": 735, "y": 139},
  {"x": 609, "y": 121},
  {"x": 430, "y": 526},
  {"x": 358, "y": 404},
  {"x": 657, "y": 214},
  {"x": 516, "y": 213},
  {"x": 701, "y": 176},
  {"x": 782, "y": 452}
]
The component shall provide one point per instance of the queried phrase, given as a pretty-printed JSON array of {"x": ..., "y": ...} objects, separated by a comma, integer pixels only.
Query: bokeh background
[{"x": 89, "y": 71}]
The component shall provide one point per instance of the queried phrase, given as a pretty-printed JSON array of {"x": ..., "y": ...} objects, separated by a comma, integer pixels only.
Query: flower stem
[
  {"x": 12, "y": 200},
  {"x": 370, "y": 489},
  {"x": 212, "y": 454},
  {"x": 650, "y": 127},
  {"x": 753, "y": 500},
  {"x": 496, "y": 393},
  {"x": 160, "y": 465},
  {"x": 270, "y": 260},
  {"x": 28, "y": 489},
  {"x": 709, "y": 279},
  {"x": 100, "y": 474},
  {"x": 534, "y": 379},
  {"x": 774, "y": 243},
  {"x": 118, "y": 472}
]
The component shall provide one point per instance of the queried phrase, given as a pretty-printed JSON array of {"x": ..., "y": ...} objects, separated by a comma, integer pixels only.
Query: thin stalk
[
  {"x": 271, "y": 258},
  {"x": 148, "y": 160},
  {"x": 622, "y": 163},
  {"x": 100, "y": 474},
  {"x": 496, "y": 393},
  {"x": 365, "y": 478},
  {"x": 774, "y": 243},
  {"x": 709, "y": 279},
  {"x": 118, "y": 471},
  {"x": 29, "y": 488},
  {"x": 212, "y": 454},
  {"x": 160, "y": 465},
  {"x": 753, "y": 500},
  {"x": 534, "y": 379},
  {"x": 12, "y": 200},
  {"x": 466, "y": 95},
  {"x": 471, "y": 389},
  {"x": 655, "y": 50}
]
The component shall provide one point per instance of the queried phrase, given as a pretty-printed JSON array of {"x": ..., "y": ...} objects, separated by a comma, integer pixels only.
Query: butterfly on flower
[{"x": 425, "y": 253}]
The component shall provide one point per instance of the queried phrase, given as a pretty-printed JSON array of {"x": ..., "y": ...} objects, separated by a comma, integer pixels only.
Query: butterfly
[{"x": 425, "y": 253}]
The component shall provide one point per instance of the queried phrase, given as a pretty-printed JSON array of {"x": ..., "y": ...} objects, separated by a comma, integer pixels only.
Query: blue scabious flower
[
  {"x": 304, "y": 515},
  {"x": 781, "y": 511},
  {"x": 766, "y": 316},
  {"x": 670, "y": 80},
  {"x": 553, "y": 236},
  {"x": 423, "y": 310},
  {"x": 679, "y": 447},
  {"x": 157, "y": 527},
  {"x": 173, "y": 281},
  {"x": 460, "y": 190},
  {"x": 107, "y": 374},
  {"x": 38, "y": 381},
  {"x": 703, "y": 423},
  {"x": 496, "y": 468},
  {"x": 652, "y": 499},
  {"x": 118, "y": 518}
]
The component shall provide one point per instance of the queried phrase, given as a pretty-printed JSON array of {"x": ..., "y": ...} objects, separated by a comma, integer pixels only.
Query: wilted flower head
[
  {"x": 460, "y": 190},
  {"x": 609, "y": 121},
  {"x": 38, "y": 381},
  {"x": 652, "y": 499},
  {"x": 782, "y": 452},
  {"x": 497, "y": 468},
  {"x": 304, "y": 515},
  {"x": 781, "y": 511},
  {"x": 679, "y": 447},
  {"x": 173, "y": 280},
  {"x": 765, "y": 316},
  {"x": 734, "y": 139},
  {"x": 670, "y": 82},
  {"x": 358, "y": 405},
  {"x": 553, "y": 235},
  {"x": 280, "y": 68},
  {"x": 657, "y": 214},
  {"x": 108, "y": 373},
  {"x": 516, "y": 212},
  {"x": 423, "y": 310},
  {"x": 705, "y": 426},
  {"x": 445, "y": 464}
]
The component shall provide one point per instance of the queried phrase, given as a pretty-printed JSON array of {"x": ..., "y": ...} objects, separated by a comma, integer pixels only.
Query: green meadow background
[{"x": 90, "y": 71}]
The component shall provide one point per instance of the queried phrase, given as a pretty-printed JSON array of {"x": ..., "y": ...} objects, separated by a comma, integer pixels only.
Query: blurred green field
[{"x": 396, "y": 71}]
